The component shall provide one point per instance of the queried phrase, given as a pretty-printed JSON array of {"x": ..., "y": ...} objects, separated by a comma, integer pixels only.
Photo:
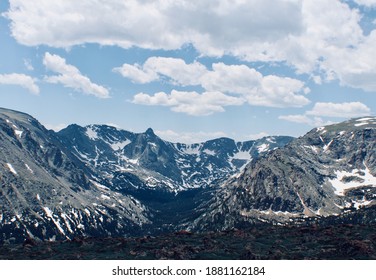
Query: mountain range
[{"x": 99, "y": 180}]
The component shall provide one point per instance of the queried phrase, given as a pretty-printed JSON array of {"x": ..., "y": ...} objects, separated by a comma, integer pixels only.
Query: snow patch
[
  {"x": 64, "y": 216},
  {"x": 326, "y": 147},
  {"x": 87, "y": 212},
  {"x": 133, "y": 161},
  {"x": 99, "y": 185},
  {"x": 365, "y": 121},
  {"x": 271, "y": 140},
  {"x": 49, "y": 214},
  {"x": 105, "y": 197},
  {"x": 119, "y": 145},
  {"x": 28, "y": 168},
  {"x": 313, "y": 148},
  {"x": 18, "y": 132},
  {"x": 10, "y": 167},
  {"x": 191, "y": 150},
  {"x": 263, "y": 148},
  {"x": 38, "y": 196},
  {"x": 91, "y": 133},
  {"x": 210, "y": 168},
  {"x": 85, "y": 157},
  {"x": 358, "y": 204},
  {"x": 361, "y": 124},
  {"x": 209, "y": 152},
  {"x": 242, "y": 155},
  {"x": 363, "y": 178}
]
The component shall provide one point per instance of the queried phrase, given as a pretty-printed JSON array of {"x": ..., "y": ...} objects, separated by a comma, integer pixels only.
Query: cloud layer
[
  {"x": 320, "y": 110},
  {"x": 71, "y": 77},
  {"x": 20, "y": 80},
  {"x": 316, "y": 37},
  {"x": 224, "y": 85}
]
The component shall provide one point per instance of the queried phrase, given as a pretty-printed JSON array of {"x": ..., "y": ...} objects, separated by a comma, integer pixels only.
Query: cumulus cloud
[
  {"x": 322, "y": 110},
  {"x": 304, "y": 119},
  {"x": 56, "y": 127},
  {"x": 137, "y": 73},
  {"x": 257, "y": 136},
  {"x": 70, "y": 76},
  {"x": 191, "y": 103},
  {"x": 340, "y": 110},
  {"x": 367, "y": 3},
  {"x": 355, "y": 67},
  {"x": 311, "y": 36},
  {"x": 175, "y": 69},
  {"x": 28, "y": 65},
  {"x": 189, "y": 137},
  {"x": 20, "y": 80},
  {"x": 212, "y": 26},
  {"x": 227, "y": 82}
]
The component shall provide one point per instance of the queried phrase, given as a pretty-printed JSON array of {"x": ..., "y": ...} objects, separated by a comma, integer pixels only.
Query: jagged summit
[
  {"x": 150, "y": 132},
  {"x": 328, "y": 171},
  {"x": 350, "y": 125}
]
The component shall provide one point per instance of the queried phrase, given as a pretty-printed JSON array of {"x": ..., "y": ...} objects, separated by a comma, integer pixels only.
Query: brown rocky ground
[{"x": 261, "y": 242}]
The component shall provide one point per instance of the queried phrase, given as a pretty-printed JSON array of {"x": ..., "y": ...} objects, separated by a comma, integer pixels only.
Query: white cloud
[
  {"x": 189, "y": 137},
  {"x": 232, "y": 82},
  {"x": 340, "y": 110},
  {"x": 136, "y": 73},
  {"x": 320, "y": 110},
  {"x": 177, "y": 70},
  {"x": 70, "y": 76},
  {"x": 304, "y": 119},
  {"x": 211, "y": 25},
  {"x": 56, "y": 127},
  {"x": 257, "y": 136},
  {"x": 232, "y": 78},
  {"x": 355, "y": 67},
  {"x": 28, "y": 65},
  {"x": 191, "y": 103},
  {"x": 155, "y": 68},
  {"x": 259, "y": 90},
  {"x": 20, "y": 80},
  {"x": 367, "y": 3},
  {"x": 315, "y": 37}
]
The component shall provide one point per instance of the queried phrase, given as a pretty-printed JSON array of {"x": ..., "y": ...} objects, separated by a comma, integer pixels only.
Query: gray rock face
[
  {"x": 326, "y": 172},
  {"x": 47, "y": 193},
  {"x": 102, "y": 181},
  {"x": 129, "y": 160}
]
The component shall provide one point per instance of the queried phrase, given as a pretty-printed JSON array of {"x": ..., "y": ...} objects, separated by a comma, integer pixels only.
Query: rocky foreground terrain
[{"x": 341, "y": 242}]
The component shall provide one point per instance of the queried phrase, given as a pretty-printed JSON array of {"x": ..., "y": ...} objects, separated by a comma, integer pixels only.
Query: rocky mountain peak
[
  {"x": 326, "y": 172},
  {"x": 150, "y": 132}
]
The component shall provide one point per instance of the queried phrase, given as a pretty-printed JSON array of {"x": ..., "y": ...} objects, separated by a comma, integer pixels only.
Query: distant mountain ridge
[
  {"x": 160, "y": 164},
  {"x": 326, "y": 172},
  {"x": 102, "y": 181}
]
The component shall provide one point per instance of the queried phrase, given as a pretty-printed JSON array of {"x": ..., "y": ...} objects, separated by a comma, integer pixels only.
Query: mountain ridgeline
[
  {"x": 102, "y": 181},
  {"x": 330, "y": 171}
]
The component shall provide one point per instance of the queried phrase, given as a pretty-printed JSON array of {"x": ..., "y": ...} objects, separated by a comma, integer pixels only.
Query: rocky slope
[
  {"x": 328, "y": 171},
  {"x": 132, "y": 161},
  {"x": 102, "y": 181},
  {"x": 47, "y": 193}
]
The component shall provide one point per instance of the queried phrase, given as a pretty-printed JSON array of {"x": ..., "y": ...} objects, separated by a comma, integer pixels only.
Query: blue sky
[{"x": 191, "y": 70}]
